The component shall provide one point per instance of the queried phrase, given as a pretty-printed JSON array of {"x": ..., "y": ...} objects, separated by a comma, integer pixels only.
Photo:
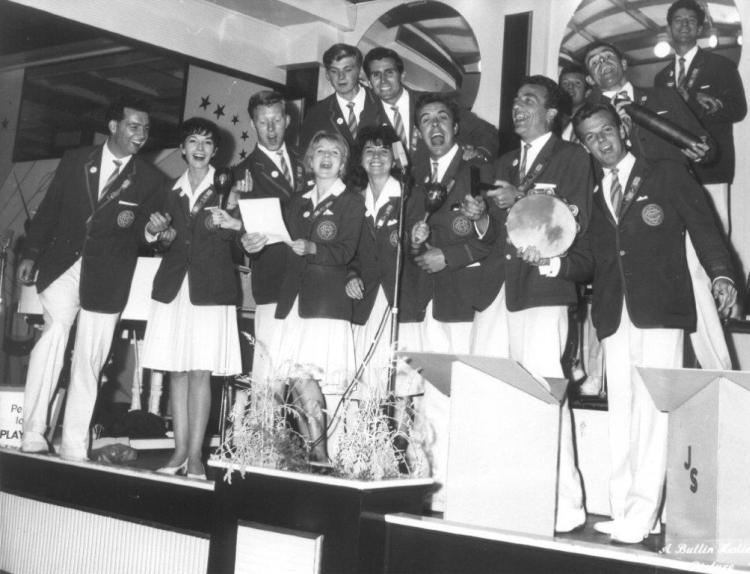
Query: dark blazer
[
  {"x": 375, "y": 260},
  {"x": 716, "y": 76},
  {"x": 326, "y": 115},
  {"x": 268, "y": 265},
  {"x": 320, "y": 280},
  {"x": 456, "y": 290},
  {"x": 668, "y": 104},
  {"x": 642, "y": 257},
  {"x": 71, "y": 222},
  {"x": 471, "y": 128},
  {"x": 200, "y": 250},
  {"x": 567, "y": 166}
]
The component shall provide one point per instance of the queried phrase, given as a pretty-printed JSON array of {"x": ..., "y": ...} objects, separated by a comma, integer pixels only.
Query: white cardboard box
[
  {"x": 708, "y": 489},
  {"x": 11, "y": 416},
  {"x": 504, "y": 441}
]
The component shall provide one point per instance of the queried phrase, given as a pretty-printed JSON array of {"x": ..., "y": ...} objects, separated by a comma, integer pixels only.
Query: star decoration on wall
[
  {"x": 243, "y": 154},
  {"x": 235, "y": 120},
  {"x": 4, "y": 123},
  {"x": 219, "y": 111},
  {"x": 244, "y": 136},
  {"x": 205, "y": 102}
]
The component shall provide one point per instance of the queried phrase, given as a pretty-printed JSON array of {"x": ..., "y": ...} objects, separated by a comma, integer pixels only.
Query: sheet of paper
[{"x": 264, "y": 216}]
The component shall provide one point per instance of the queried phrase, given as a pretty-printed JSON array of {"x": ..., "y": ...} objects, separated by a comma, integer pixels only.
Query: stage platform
[{"x": 58, "y": 516}]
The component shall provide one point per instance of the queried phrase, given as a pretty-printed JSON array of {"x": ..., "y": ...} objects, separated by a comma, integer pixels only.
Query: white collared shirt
[
  {"x": 444, "y": 161},
  {"x": 390, "y": 190},
  {"x": 107, "y": 167},
  {"x": 624, "y": 167},
  {"x": 336, "y": 189},
  {"x": 274, "y": 157},
  {"x": 626, "y": 87},
  {"x": 688, "y": 61},
  {"x": 403, "y": 109},
  {"x": 183, "y": 183},
  {"x": 533, "y": 151},
  {"x": 359, "y": 104}
]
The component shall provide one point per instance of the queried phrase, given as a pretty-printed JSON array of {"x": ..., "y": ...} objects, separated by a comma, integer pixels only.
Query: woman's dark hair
[{"x": 199, "y": 126}]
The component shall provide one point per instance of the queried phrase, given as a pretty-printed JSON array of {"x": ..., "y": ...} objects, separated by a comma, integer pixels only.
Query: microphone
[{"x": 223, "y": 182}]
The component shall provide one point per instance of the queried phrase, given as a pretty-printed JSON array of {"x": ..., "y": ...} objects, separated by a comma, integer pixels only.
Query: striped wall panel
[{"x": 42, "y": 538}]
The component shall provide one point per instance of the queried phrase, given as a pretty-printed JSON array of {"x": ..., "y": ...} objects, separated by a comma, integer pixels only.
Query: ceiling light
[{"x": 662, "y": 49}]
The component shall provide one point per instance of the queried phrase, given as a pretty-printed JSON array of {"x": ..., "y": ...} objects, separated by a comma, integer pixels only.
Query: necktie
[
  {"x": 285, "y": 168},
  {"x": 352, "y": 121},
  {"x": 434, "y": 174},
  {"x": 524, "y": 155},
  {"x": 615, "y": 192},
  {"x": 112, "y": 177},
  {"x": 398, "y": 126},
  {"x": 621, "y": 96},
  {"x": 681, "y": 72}
]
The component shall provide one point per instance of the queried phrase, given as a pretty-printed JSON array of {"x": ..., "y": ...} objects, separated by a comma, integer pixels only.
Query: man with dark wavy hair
[
  {"x": 711, "y": 86},
  {"x": 384, "y": 68},
  {"x": 83, "y": 242}
]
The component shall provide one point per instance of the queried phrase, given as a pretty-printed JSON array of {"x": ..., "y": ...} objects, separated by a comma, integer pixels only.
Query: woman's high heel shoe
[
  {"x": 197, "y": 475},
  {"x": 180, "y": 469}
]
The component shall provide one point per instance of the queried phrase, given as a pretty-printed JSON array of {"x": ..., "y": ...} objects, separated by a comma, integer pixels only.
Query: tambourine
[{"x": 542, "y": 221}]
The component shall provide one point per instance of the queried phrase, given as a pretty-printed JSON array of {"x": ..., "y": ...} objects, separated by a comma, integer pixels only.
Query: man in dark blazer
[
  {"x": 83, "y": 241},
  {"x": 606, "y": 68},
  {"x": 384, "y": 68},
  {"x": 448, "y": 252},
  {"x": 273, "y": 169},
  {"x": 532, "y": 307},
  {"x": 712, "y": 88},
  {"x": 350, "y": 106},
  {"x": 634, "y": 250}
]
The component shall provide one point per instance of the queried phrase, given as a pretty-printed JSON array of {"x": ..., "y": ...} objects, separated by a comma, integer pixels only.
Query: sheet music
[{"x": 264, "y": 216}]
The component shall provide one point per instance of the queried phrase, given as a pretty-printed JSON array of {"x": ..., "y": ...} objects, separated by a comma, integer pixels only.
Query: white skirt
[
  {"x": 320, "y": 348},
  {"x": 375, "y": 374},
  {"x": 181, "y": 336}
]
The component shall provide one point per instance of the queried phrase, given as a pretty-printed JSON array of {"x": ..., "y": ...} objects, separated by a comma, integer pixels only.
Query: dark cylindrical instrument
[
  {"x": 662, "y": 127},
  {"x": 223, "y": 181}
]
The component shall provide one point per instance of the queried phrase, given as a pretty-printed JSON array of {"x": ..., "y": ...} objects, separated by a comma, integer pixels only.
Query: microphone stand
[{"x": 392, "y": 370}]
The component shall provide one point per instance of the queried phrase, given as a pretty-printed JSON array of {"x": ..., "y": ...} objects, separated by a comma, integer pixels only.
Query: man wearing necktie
[
  {"x": 273, "y": 169},
  {"x": 351, "y": 106},
  {"x": 83, "y": 242},
  {"x": 711, "y": 86},
  {"x": 528, "y": 318},
  {"x": 449, "y": 255},
  {"x": 633, "y": 250},
  {"x": 384, "y": 69},
  {"x": 606, "y": 68}
]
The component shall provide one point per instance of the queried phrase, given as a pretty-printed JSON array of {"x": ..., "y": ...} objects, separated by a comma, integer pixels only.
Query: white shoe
[
  {"x": 605, "y": 527},
  {"x": 591, "y": 387},
  {"x": 34, "y": 442},
  {"x": 569, "y": 520},
  {"x": 627, "y": 533},
  {"x": 73, "y": 457}
]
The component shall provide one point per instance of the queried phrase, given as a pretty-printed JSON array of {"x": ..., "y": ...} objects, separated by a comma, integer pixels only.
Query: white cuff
[{"x": 551, "y": 269}]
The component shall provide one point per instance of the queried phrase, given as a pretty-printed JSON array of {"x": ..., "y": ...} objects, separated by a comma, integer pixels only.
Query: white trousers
[
  {"x": 708, "y": 340},
  {"x": 267, "y": 337},
  {"x": 489, "y": 331},
  {"x": 719, "y": 194},
  {"x": 433, "y": 409},
  {"x": 637, "y": 430},
  {"x": 537, "y": 341},
  {"x": 61, "y": 303}
]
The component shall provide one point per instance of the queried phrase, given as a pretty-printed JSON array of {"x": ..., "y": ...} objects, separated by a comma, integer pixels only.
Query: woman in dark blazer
[
  {"x": 192, "y": 328},
  {"x": 317, "y": 347}
]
